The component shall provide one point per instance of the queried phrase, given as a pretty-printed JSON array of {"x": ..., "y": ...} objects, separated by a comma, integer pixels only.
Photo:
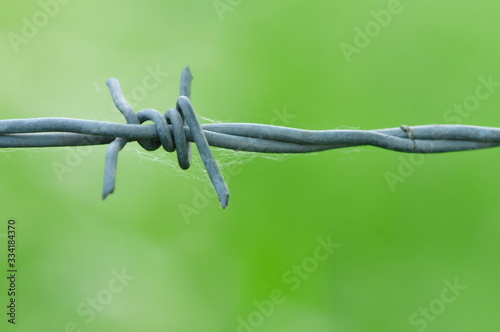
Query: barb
[{"x": 179, "y": 126}]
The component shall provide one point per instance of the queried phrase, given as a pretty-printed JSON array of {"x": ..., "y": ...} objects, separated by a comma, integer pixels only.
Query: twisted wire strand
[{"x": 179, "y": 126}]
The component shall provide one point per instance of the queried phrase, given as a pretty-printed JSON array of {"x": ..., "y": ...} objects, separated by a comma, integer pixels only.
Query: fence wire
[{"x": 179, "y": 126}]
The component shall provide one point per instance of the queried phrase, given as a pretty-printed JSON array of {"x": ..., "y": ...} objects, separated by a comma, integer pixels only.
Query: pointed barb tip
[{"x": 224, "y": 201}]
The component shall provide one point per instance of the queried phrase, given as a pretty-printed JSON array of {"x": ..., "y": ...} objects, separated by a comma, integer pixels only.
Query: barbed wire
[{"x": 179, "y": 126}]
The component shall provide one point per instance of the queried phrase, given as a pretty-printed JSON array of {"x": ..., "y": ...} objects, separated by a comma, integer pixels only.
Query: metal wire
[{"x": 179, "y": 126}]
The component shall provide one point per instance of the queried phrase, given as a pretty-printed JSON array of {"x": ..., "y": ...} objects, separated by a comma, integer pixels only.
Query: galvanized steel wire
[{"x": 179, "y": 126}]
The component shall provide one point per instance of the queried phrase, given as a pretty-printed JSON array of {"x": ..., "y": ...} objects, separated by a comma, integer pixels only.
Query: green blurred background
[{"x": 192, "y": 266}]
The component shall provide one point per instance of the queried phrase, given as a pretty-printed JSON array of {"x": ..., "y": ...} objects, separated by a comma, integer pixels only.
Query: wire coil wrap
[{"x": 171, "y": 136}]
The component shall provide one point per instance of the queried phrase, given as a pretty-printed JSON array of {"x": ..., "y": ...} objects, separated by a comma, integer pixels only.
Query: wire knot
[{"x": 171, "y": 136}]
